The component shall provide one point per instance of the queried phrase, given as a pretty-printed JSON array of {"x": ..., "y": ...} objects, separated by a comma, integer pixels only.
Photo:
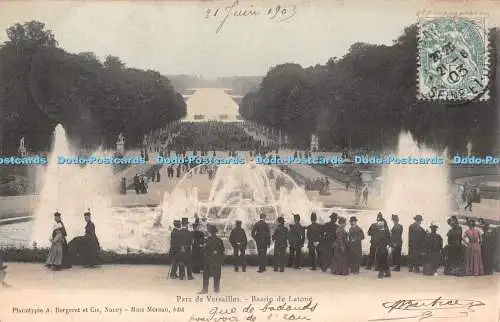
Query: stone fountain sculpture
[
  {"x": 120, "y": 144},
  {"x": 22, "y": 148}
]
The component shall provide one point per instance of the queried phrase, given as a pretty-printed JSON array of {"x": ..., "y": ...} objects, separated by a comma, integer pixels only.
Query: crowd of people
[
  {"x": 334, "y": 247},
  {"x": 205, "y": 136}
]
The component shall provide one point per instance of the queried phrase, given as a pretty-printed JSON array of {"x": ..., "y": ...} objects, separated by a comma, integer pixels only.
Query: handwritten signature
[
  {"x": 277, "y": 13},
  {"x": 426, "y": 308}
]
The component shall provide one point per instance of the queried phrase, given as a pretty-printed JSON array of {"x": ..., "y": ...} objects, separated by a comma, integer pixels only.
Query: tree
[
  {"x": 366, "y": 98},
  {"x": 41, "y": 85},
  {"x": 113, "y": 62},
  {"x": 31, "y": 33}
]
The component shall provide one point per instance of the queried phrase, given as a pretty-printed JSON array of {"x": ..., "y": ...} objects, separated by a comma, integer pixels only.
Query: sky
[{"x": 177, "y": 38}]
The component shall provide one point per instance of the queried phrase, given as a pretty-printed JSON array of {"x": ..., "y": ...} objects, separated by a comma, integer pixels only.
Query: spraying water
[
  {"x": 469, "y": 148},
  {"x": 409, "y": 190},
  {"x": 71, "y": 190}
]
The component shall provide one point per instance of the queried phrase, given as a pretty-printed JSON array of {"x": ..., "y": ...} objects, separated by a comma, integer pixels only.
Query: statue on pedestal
[
  {"x": 314, "y": 143},
  {"x": 120, "y": 144},
  {"x": 22, "y": 148}
]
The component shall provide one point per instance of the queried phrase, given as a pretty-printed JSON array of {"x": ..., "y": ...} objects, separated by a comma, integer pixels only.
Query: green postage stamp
[{"x": 453, "y": 58}]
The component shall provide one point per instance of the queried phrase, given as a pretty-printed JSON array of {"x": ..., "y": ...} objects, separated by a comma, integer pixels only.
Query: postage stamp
[{"x": 453, "y": 61}]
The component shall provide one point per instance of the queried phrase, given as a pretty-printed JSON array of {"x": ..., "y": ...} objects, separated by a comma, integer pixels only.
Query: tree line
[
  {"x": 42, "y": 85},
  {"x": 367, "y": 97}
]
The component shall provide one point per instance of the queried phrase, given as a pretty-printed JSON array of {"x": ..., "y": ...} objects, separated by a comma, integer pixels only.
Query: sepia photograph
[{"x": 231, "y": 160}]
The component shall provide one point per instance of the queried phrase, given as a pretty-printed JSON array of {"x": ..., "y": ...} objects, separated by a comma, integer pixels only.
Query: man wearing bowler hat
[
  {"x": 396, "y": 242},
  {"x": 214, "y": 258},
  {"x": 329, "y": 233},
  {"x": 297, "y": 239},
  {"x": 280, "y": 238},
  {"x": 198, "y": 244},
  {"x": 313, "y": 239},
  {"x": 355, "y": 253},
  {"x": 262, "y": 236},
  {"x": 373, "y": 249},
  {"x": 238, "y": 239},
  {"x": 416, "y": 244},
  {"x": 175, "y": 248},
  {"x": 185, "y": 254}
]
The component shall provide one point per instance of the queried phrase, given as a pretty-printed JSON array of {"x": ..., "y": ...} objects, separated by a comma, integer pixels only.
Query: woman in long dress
[
  {"x": 340, "y": 254},
  {"x": 488, "y": 249},
  {"x": 454, "y": 256},
  {"x": 434, "y": 247},
  {"x": 473, "y": 258},
  {"x": 92, "y": 245},
  {"x": 55, "y": 257}
]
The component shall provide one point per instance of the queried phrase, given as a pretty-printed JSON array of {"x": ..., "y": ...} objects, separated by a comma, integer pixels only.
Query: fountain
[
  {"x": 236, "y": 192},
  {"x": 240, "y": 192},
  {"x": 416, "y": 189},
  {"x": 71, "y": 190}
]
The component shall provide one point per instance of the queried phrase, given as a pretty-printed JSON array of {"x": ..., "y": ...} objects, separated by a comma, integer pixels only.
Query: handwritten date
[{"x": 277, "y": 13}]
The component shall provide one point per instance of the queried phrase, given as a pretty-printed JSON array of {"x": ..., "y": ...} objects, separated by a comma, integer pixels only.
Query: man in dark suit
[
  {"x": 175, "y": 248},
  {"x": 416, "y": 244},
  {"x": 198, "y": 244},
  {"x": 297, "y": 239},
  {"x": 238, "y": 239},
  {"x": 373, "y": 249},
  {"x": 262, "y": 236},
  {"x": 185, "y": 254},
  {"x": 214, "y": 258},
  {"x": 313, "y": 239},
  {"x": 396, "y": 242},
  {"x": 280, "y": 237},
  {"x": 329, "y": 233}
]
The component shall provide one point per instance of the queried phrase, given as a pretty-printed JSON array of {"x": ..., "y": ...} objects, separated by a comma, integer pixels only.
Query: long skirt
[
  {"x": 326, "y": 255},
  {"x": 355, "y": 257},
  {"x": 454, "y": 260},
  {"x": 473, "y": 260},
  {"x": 90, "y": 251},
  {"x": 55, "y": 256},
  {"x": 488, "y": 254},
  {"x": 340, "y": 263},
  {"x": 382, "y": 260},
  {"x": 67, "y": 262}
]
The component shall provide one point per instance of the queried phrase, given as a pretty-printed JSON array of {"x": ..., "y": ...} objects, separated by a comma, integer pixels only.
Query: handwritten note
[
  {"x": 278, "y": 13},
  {"x": 421, "y": 309},
  {"x": 270, "y": 311}
]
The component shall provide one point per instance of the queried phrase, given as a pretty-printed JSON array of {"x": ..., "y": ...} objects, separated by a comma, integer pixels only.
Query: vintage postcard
[{"x": 229, "y": 161}]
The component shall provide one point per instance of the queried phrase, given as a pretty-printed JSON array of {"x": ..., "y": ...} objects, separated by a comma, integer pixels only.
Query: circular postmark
[{"x": 453, "y": 59}]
